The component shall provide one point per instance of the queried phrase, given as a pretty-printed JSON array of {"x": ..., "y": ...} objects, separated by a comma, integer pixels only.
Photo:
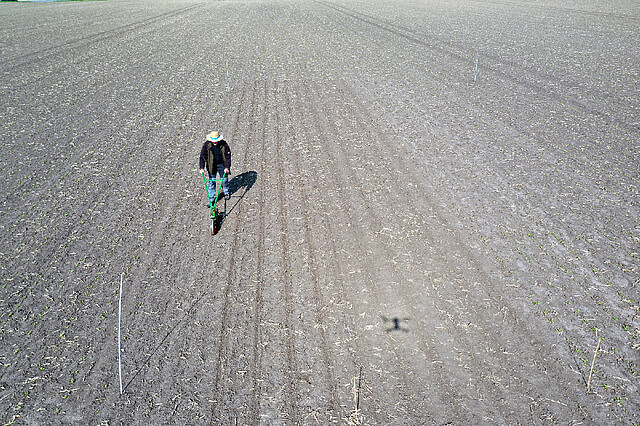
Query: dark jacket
[{"x": 208, "y": 156}]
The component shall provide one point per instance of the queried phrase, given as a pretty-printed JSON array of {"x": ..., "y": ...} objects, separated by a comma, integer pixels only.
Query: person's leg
[
  {"x": 211, "y": 186},
  {"x": 225, "y": 182}
]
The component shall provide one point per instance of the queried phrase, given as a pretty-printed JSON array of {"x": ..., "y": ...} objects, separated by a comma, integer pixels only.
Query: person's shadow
[
  {"x": 244, "y": 180},
  {"x": 238, "y": 187}
]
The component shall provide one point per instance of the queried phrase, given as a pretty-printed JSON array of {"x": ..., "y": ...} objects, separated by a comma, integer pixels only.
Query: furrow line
[
  {"x": 335, "y": 263},
  {"x": 445, "y": 310},
  {"x": 258, "y": 302},
  {"x": 292, "y": 389},
  {"x": 464, "y": 56},
  {"x": 95, "y": 199},
  {"x": 318, "y": 298},
  {"x": 377, "y": 290},
  {"x": 161, "y": 237},
  {"x": 218, "y": 409},
  {"x": 472, "y": 272}
]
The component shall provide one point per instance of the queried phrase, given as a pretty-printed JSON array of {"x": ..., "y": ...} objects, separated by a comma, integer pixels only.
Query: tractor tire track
[
  {"x": 463, "y": 55},
  {"x": 85, "y": 42},
  {"x": 80, "y": 97},
  {"x": 95, "y": 89},
  {"x": 113, "y": 152}
]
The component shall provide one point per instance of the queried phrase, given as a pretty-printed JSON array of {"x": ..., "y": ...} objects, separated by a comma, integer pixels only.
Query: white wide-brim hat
[{"x": 214, "y": 136}]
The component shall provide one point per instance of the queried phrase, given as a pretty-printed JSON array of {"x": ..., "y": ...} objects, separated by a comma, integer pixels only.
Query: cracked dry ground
[{"x": 403, "y": 245}]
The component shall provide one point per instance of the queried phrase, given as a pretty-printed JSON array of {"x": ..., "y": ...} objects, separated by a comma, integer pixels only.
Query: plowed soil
[{"x": 434, "y": 213}]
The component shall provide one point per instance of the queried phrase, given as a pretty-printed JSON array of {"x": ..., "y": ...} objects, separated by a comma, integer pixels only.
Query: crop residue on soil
[{"x": 434, "y": 213}]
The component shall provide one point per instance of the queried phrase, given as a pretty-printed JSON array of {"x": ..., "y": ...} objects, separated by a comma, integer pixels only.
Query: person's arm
[
  {"x": 203, "y": 155},
  {"x": 227, "y": 163}
]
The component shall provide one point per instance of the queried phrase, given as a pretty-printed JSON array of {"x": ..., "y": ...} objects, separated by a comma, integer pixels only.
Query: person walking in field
[{"x": 215, "y": 158}]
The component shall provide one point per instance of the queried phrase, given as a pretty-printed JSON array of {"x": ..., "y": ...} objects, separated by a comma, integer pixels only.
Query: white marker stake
[
  {"x": 475, "y": 73},
  {"x": 119, "y": 323}
]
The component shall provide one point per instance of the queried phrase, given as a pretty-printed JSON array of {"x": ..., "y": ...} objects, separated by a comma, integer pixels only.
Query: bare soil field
[{"x": 434, "y": 212}]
